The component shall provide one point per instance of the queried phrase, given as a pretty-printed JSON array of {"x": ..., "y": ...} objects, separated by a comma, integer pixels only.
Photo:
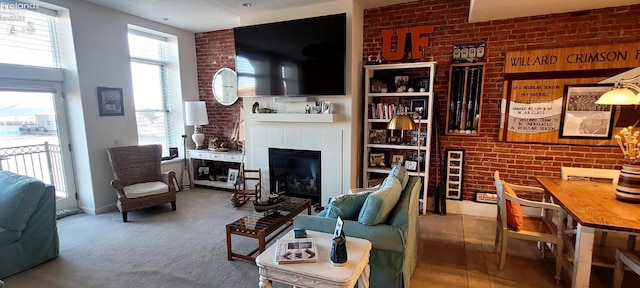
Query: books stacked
[{"x": 301, "y": 250}]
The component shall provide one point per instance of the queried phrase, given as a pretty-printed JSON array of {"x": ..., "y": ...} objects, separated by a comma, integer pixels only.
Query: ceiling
[{"x": 210, "y": 15}]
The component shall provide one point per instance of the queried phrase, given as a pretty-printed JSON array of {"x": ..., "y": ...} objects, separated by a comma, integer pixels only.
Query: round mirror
[{"x": 225, "y": 86}]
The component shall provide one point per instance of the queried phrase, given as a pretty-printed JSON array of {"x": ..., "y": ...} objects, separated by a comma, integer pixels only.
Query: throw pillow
[
  {"x": 346, "y": 206},
  {"x": 515, "y": 219},
  {"x": 379, "y": 204},
  {"x": 401, "y": 173}
]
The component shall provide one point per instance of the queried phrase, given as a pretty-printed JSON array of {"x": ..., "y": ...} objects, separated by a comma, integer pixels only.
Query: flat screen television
[{"x": 303, "y": 57}]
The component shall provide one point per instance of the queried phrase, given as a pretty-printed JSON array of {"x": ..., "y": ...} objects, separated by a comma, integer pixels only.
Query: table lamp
[{"x": 196, "y": 115}]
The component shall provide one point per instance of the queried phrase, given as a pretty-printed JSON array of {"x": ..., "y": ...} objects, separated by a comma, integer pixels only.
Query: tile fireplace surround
[{"x": 326, "y": 140}]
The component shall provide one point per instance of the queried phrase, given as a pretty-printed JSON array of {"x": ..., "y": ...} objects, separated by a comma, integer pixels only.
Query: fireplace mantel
[{"x": 294, "y": 117}]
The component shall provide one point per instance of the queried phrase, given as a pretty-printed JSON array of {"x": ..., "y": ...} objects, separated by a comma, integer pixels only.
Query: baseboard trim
[
  {"x": 480, "y": 209},
  {"x": 471, "y": 208},
  {"x": 100, "y": 210}
]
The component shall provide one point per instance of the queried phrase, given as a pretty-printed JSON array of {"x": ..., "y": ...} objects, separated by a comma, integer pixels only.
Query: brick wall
[
  {"x": 215, "y": 50},
  {"x": 518, "y": 163}
]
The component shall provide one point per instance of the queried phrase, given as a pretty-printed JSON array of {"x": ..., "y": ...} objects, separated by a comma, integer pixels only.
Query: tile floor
[{"x": 457, "y": 251}]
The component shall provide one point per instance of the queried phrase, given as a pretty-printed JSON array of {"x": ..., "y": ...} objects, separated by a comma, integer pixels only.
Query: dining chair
[
  {"x": 248, "y": 187},
  {"x": 625, "y": 259},
  {"x": 588, "y": 174},
  {"x": 511, "y": 222}
]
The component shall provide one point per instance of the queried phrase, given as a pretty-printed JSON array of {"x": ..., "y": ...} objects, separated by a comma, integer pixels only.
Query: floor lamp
[
  {"x": 196, "y": 115},
  {"x": 405, "y": 122}
]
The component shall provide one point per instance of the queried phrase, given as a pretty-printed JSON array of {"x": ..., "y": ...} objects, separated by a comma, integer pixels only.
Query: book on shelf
[
  {"x": 297, "y": 250},
  {"x": 385, "y": 111}
]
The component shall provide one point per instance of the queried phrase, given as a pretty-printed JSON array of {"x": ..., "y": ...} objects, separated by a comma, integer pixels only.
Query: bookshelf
[{"x": 391, "y": 89}]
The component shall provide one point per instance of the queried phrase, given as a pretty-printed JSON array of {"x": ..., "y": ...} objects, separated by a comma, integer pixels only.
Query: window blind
[{"x": 27, "y": 37}]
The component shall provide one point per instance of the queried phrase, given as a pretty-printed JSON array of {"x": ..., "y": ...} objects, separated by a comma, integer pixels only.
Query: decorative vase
[{"x": 629, "y": 183}]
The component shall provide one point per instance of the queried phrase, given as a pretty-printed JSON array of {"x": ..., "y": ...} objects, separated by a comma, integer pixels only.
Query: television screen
[{"x": 302, "y": 57}]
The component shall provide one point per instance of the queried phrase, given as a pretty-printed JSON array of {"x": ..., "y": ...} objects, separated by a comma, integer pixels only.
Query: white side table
[{"x": 320, "y": 273}]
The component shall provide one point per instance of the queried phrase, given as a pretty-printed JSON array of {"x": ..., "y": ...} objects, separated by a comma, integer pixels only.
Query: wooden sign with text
[
  {"x": 417, "y": 36},
  {"x": 574, "y": 58},
  {"x": 534, "y": 88}
]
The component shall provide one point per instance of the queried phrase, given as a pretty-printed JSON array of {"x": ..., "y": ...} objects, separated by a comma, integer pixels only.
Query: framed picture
[
  {"x": 411, "y": 165},
  {"x": 421, "y": 83},
  {"x": 202, "y": 173},
  {"x": 454, "y": 178},
  {"x": 581, "y": 117},
  {"x": 414, "y": 138},
  {"x": 110, "y": 101},
  {"x": 419, "y": 106},
  {"x": 397, "y": 159},
  {"x": 327, "y": 108},
  {"x": 402, "y": 83},
  {"x": 319, "y": 107},
  {"x": 232, "y": 176},
  {"x": 378, "y": 136},
  {"x": 377, "y": 86},
  {"x": 377, "y": 160},
  {"x": 485, "y": 197}
]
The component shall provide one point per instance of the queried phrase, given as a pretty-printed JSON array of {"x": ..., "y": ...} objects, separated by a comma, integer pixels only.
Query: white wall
[
  {"x": 347, "y": 107},
  {"x": 100, "y": 58}
]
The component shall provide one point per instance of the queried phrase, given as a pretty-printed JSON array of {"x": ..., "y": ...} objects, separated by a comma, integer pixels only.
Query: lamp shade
[
  {"x": 619, "y": 96},
  {"x": 401, "y": 122},
  {"x": 196, "y": 113}
]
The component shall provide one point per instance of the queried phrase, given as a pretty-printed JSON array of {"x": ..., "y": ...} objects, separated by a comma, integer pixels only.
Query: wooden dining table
[{"x": 594, "y": 206}]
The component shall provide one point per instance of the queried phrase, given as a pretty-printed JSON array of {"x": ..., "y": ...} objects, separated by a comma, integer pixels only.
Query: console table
[{"x": 200, "y": 158}]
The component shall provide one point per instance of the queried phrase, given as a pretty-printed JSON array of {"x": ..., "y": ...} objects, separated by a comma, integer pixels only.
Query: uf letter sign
[{"x": 418, "y": 40}]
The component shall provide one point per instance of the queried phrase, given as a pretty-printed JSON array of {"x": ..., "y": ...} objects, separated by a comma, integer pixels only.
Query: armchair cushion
[
  {"x": 346, "y": 206},
  {"x": 401, "y": 174},
  {"x": 145, "y": 189},
  {"x": 515, "y": 219},
  {"x": 378, "y": 205}
]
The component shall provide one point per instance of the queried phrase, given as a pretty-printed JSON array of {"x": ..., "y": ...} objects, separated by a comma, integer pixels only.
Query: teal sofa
[
  {"x": 394, "y": 242},
  {"x": 28, "y": 232}
]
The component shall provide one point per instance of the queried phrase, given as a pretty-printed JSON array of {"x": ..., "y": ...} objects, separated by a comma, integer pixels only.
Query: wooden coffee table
[
  {"x": 259, "y": 225},
  {"x": 321, "y": 273}
]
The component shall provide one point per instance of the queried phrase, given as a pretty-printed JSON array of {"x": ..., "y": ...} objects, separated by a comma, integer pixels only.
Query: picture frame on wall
[
  {"x": 110, "y": 101},
  {"x": 581, "y": 117},
  {"x": 455, "y": 168}
]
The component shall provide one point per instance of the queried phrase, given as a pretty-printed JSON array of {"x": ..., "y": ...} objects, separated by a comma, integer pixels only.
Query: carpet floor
[{"x": 156, "y": 248}]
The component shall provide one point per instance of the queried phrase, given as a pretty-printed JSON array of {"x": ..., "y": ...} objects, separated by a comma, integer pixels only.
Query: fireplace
[{"x": 295, "y": 173}]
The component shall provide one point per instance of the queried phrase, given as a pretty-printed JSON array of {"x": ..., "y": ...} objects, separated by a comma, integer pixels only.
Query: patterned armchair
[{"x": 138, "y": 180}]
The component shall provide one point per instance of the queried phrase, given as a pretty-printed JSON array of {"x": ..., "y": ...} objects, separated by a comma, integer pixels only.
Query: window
[
  {"x": 27, "y": 37},
  {"x": 149, "y": 63}
]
